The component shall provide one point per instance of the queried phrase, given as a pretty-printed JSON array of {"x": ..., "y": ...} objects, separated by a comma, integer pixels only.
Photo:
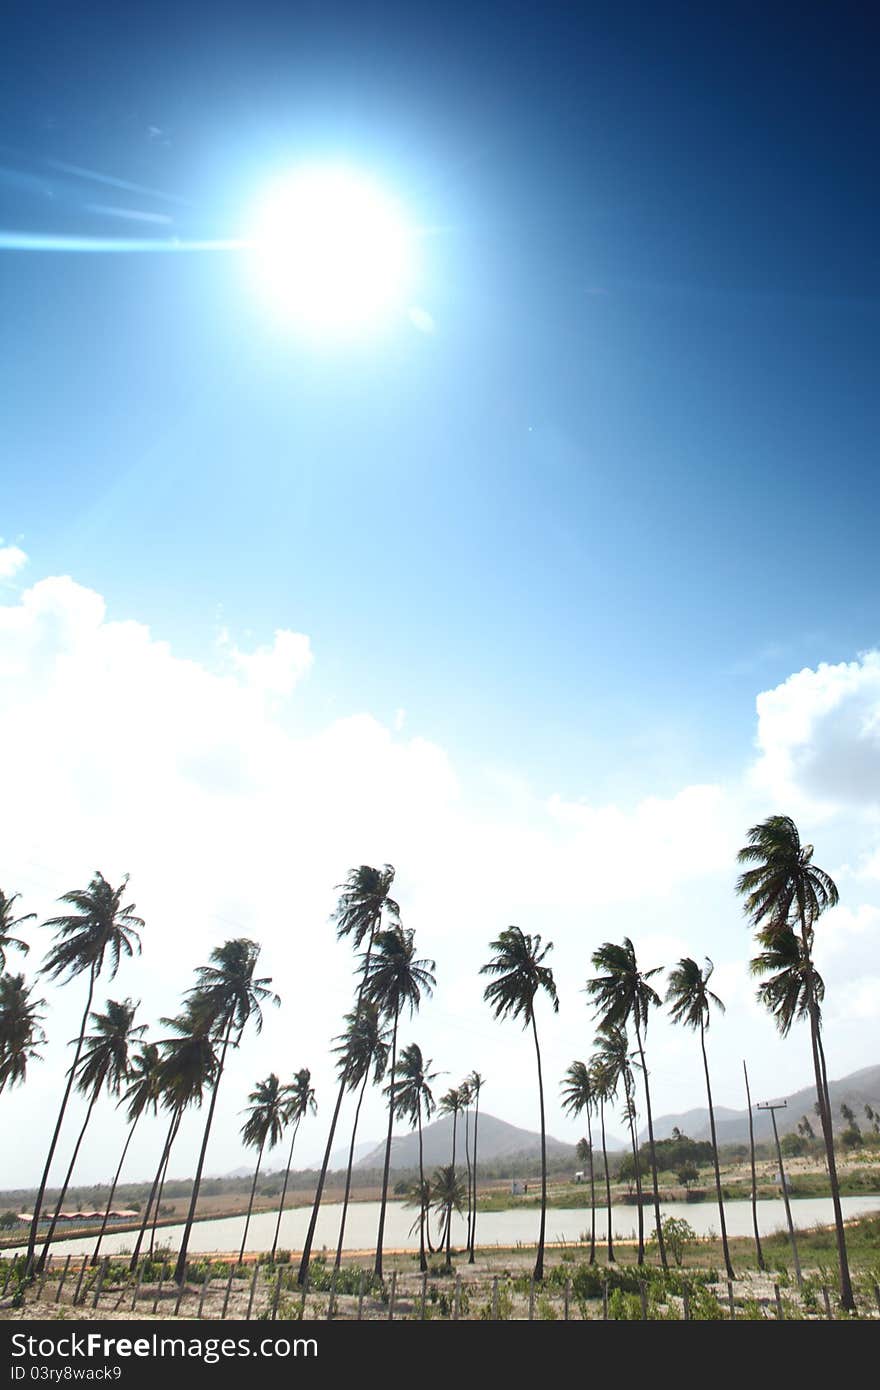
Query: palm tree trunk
[
  {"x": 467, "y": 1154},
  {"x": 726, "y": 1248},
  {"x": 354, "y": 1130},
  {"x": 637, "y": 1173},
  {"x": 760, "y": 1252},
  {"x": 166, "y": 1149},
  {"x": 32, "y": 1238},
  {"x": 660, "y": 1242},
  {"x": 474, "y": 1219},
  {"x": 539, "y": 1261},
  {"x": 611, "y": 1259},
  {"x": 592, "y": 1260},
  {"x": 251, "y": 1202},
  {"x": 423, "y": 1263},
  {"x": 284, "y": 1191},
  {"x": 63, "y": 1193},
  {"x": 381, "y": 1236},
  {"x": 180, "y": 1268},
  {"x": 163, "y": 1178},
  {"x": 131, "y": 1129}
]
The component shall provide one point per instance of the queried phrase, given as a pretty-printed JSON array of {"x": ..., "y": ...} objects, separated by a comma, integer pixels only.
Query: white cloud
[
  {"x": 275, "y": 670},
  {"x": 11, "y": 560}
]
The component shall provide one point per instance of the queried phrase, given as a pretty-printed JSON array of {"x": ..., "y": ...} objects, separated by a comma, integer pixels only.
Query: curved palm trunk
[
  {"x": 63, "y": 1193},
  {"x": 474, "y": 1217},
  {"x": 467, "y": 1154},
  {"x": 180, "y": 1267},
  {"x": 251, "y": 1202},
  {"x": 592, "y": 1192},
  {"x": 539, "y": 1261},
  {"x": 726, "y": 1248},
  {"x": 284, "y": 1190},
  {"x": 660, "y": 1241},
  {"x": 322, "y": 1177},
  {"x": 381, "y": 1236},
  {"x": 131, "y": 1129},
  {"x": 41, "y": 1192},
  {"x": 354, "y": 1130},
  {"x": 638, "y": 1177},
  {"x": 166, "y": 1149},
  {"x": 758, "y": 1249},
  {"x": 611, "y": 1259},
  {"x": 157, "y": 1209},
  {"x": 423, "y": 1263}
]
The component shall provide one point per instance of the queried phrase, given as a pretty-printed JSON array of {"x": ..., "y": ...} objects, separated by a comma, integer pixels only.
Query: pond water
[{"x": 493, "y": 1228}]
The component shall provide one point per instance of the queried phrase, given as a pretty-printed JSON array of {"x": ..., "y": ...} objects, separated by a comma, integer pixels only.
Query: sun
[{"x": 331, "y": 251}]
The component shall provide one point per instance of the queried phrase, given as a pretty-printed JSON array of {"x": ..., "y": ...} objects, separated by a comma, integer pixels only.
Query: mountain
[
  {"x": 856, "y": 1090},
  {"x": 497, "y": 1139}
]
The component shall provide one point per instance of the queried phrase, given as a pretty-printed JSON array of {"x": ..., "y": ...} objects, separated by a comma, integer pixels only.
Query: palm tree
[
  {"x": 447, "y": 1195},
  {"x": 604, "y": 1089},
  {"x": 227, "y": 997},
  {"x": 8, "y": 923},
  {"x": 21, "y": 1036},
  {"x": 690, "y": 997},
  {"x": 415, "y": 1098},
  {"x": 784, "y": 892},
  {"x": 363, "y": 1049},
  {"x": 621, "y": 992},
  {"x": 363, "y": 898},
  {"x": 104, "y": 1062},
  {"x": 451, "y": 1104},
  {"x": 99, "y": 926},
  {"x": 264, "y": 1125},
  {"x": 393, "y": 980},
  {"x": 475, "y": 1082},
  {"x": 143, "y": 1091},
  {"x": 299, "y": 1099},
  {"x": 520, "y": 974},
  {"x": 613, "y": 1055},
  {"x": 578, "y": 1099}
]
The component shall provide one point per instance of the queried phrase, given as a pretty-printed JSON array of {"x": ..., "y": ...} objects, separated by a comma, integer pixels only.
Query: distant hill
[
  {"x": 497, "y": 1140},
  {"x": 732, "y": 1126}
]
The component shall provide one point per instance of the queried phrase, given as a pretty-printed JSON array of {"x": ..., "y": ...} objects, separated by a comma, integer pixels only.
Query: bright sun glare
[{"x": 332, "y": 251}]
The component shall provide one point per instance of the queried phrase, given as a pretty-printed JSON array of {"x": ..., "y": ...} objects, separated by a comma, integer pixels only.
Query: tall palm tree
[
  {"x": 363, "y": 899},
  {"x": 104, "y": 1062},
  {"x": 394, "y": 980},
  {"x": 784, "y": 891},
  {"x": 604, "y": 1089},
  {"x": 363, "y": 1051},
  {"x": 519, "y": 975},
  {"x": 264, "y": 1125},
  {"x": 578, "y": 1099},
  {"x": 21, "y": 1036},
  {"x": 447, "y": 1196},
  {"x": 614, "y": 1056},
  {"x": 415, "y": 1099},
  {"x": 690, "y": 997},
  {"x": 621, "y": 992},
  {"x": 8, "y": 924},
  {"x": 465, "y": 1093},
  {"x": 99, "y": 926},
  {"x": 299, "y": 1099},
  {"x": 475, "y": 1082},
  {"x": 227, "y": 997},
  {"x": 143, "y": 1091},
  {"x": 451, "y": 1104}
]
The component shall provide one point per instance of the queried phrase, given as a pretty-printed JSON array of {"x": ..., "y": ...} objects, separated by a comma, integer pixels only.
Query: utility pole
[{"x": 773, "y": 1106}]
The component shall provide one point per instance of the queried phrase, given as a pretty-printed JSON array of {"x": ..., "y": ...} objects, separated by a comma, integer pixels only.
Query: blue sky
[{"x": 627, "y": 483}]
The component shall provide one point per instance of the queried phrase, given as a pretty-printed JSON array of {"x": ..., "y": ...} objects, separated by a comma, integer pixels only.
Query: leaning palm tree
[
  {"x": 143, "y": 1091},
  {"x": 414, "y": 1100},
  {"x": 264, "y": 1125},
  {"x": 104, "y": 1062},
  {"x": 363, "y": 899},
  {"x": 475, "y": 1082},
  {"x": 21, "y": 1035},
  {"x": 363, "y": 1051},
  {"x": 604, "y": 1089},
  {"x": 226, "y": 997},
  {"x": 394, "y": 980},
  {"x": 578, "y": 1099},
  {"x": 8, "y": 924},
  {"x": 784, "y": 892},
  {"x": 520, "y": 974},
  {"x": 621, "y": 993},
  {"x": 99, "y": 926},
  {"x": 299, "y": 1099},
  {"x": 614, "y": 1056},
  {"x": 690, "y": 997}
]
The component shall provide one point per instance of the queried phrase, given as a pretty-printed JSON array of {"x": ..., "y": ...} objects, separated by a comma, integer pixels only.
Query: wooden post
[
  {"x": 877, "y": 1296},
  {"x": 253, "y": 1290},
  {"x": 686, "y": 1304},
  {"x": 332, "y": 1303},
  {"x": 276, "y": 1296},
  {"x": 532, "y": 1301},
  {"x": 730, "y": 1300},
  {"x": 61, "y": 1282},
  {"x": 361, "y": 1282},
  {"x": 825, "y": 1295},
  {"x": 392, "y": 1295},
  {"x": 228, "y": 1290},
  {"x": 102, "y": 1274},
  {"x": 779, "y": 1313},
  {"x": 159, "y": 1290},
  {"x": 567, "y": 1297},
  {"x": 43, "y": 1277},
  {"x": 424, "y": 1294},
  {"x": 205, "y": 1282},
  {"x": 82, "y": 1275},
  {"x": 495, "y": 1299},
  {"x": 605, "y": 1300},
  {"x": 137, "y": 1287},
  {"x": 643, "y": 1299},
  {"x": 456, "y": 1298}
]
